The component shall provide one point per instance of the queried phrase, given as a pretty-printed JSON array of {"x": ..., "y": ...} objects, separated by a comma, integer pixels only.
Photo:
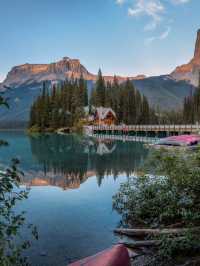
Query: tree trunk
[{"x": 156, "y": 232}]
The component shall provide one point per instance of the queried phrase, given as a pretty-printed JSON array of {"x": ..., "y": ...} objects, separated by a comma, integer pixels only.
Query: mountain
[
  {"x": 190, "y": 72},
  {"x": 23, "y": 84},
  {"x": 164, "y": 92},
  {"x": 161, "y": 91},
  {"x": 29, "y": 74}
]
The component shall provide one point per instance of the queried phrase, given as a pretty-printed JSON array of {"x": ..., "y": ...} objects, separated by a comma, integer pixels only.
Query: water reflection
[
  {"x": 80, "y": 222},
  {"x": 68, "y": 161}
]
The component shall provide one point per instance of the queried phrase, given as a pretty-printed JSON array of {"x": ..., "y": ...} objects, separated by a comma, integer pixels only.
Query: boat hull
[{"x": 115, "y": 256}]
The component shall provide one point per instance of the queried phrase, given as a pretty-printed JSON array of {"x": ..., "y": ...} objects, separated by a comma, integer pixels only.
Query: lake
[{"x": 72, "y": 180}]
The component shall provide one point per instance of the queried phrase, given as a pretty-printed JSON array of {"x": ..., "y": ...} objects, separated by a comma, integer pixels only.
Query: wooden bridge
[{"x": 144, "y": 130}]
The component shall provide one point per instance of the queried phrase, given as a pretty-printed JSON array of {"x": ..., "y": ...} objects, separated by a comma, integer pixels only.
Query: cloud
[
  {"x": 150, "y": 26},
  {"x": 160, "y": 37},
  {"x": 165, "y": 34},
  {"x": 180, "y": 1},
  {"x": 149, "y": 40},
  {"x": 154, "y": 9},
  {"x": 120, "y": 2},
  {"x": 150, "y": 8},
  {"x": 157, "y": 12}
]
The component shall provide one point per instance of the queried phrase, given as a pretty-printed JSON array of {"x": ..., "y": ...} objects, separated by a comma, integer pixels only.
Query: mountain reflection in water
[
  {"x": 79, "y": 222},
  {"x": 68, "y": 161}
]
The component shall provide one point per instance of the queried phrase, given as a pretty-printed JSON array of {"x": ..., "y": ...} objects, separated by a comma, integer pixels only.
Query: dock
[{"x": 141, "y": 131}]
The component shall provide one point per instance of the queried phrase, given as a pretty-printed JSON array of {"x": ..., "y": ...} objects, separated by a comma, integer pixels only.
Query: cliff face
[
  {"x": 190, "y": 71},
  {"x": 64, "y": 181},
  {"x": 196, "y": 59},
  {"x": 66, "y": 68},
  {"x": 35, "y": 73}
]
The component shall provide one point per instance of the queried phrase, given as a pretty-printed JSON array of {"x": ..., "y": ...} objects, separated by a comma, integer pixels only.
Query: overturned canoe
[
  {"x": 179, "y": 141},
  {"x": 115, "y": 256}
]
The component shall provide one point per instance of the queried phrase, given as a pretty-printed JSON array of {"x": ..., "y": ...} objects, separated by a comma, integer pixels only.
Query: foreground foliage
[
  {"x": 167, "y": 195},
  {"x": 11, "y": 222},
  {"x": 12, "y": 245}
]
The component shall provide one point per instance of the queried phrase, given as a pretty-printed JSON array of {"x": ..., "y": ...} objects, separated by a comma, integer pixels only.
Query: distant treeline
[
  {"x": 191, "y": 107},
  {"x": 64, "y": 105}
]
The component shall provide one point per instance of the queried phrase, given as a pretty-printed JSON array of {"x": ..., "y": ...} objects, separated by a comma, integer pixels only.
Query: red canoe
[
  {"x": 182, "y": 140},
  {"x": 115, "y": 256}
]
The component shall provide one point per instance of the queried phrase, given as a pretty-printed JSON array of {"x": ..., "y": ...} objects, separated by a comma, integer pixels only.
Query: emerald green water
[{"x": 72, "y": 180}]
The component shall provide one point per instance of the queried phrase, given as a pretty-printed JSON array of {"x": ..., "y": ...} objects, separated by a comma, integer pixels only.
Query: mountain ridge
[
  {"x": 23, "y": 84},
  {"x": 66, "y": 68}
]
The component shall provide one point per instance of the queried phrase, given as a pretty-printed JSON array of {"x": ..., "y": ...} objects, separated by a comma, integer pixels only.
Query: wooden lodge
[{"x": 104, "y": 116}]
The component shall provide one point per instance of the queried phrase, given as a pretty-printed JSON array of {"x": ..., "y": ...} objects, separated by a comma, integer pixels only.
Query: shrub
[
  {"x": 12, "y": 222},
  {"x": 167, "y": 194}
]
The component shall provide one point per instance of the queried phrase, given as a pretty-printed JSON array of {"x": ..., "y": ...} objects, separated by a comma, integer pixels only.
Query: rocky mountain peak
[
  {"x": 190, "y": 71},
  {"x": 196, "y": 58},
  {"x": 35, "y": 73},
  {"x": 66, "y": 68}
]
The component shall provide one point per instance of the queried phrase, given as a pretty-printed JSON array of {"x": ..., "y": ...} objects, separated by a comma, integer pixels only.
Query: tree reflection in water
[{"x": 69, "y": 160}]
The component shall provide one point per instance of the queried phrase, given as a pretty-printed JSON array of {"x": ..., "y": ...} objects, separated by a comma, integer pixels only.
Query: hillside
[{"x": 163, "y": 91}]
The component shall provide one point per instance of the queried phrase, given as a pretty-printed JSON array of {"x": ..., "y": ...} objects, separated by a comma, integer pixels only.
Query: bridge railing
[{"x": 148, "y": 127}]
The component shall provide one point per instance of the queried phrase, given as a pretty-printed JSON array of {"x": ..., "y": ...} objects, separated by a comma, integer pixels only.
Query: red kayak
[{"x": 115, "y": 256}]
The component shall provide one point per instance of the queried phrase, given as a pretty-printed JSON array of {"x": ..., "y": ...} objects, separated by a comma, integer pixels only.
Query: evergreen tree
[
  {"x": 191, "y": 107},
  {"x": 145, "y": 111},
  {"x": 100, "y": 90},
  {"x": 63, "y": 106}
]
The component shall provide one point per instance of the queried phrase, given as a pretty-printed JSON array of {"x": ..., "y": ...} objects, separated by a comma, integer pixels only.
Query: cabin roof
[{"x": 102, "y": 112}]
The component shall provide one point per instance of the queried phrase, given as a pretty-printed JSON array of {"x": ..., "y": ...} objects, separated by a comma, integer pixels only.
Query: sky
[{"x": 123, "y": 37}]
